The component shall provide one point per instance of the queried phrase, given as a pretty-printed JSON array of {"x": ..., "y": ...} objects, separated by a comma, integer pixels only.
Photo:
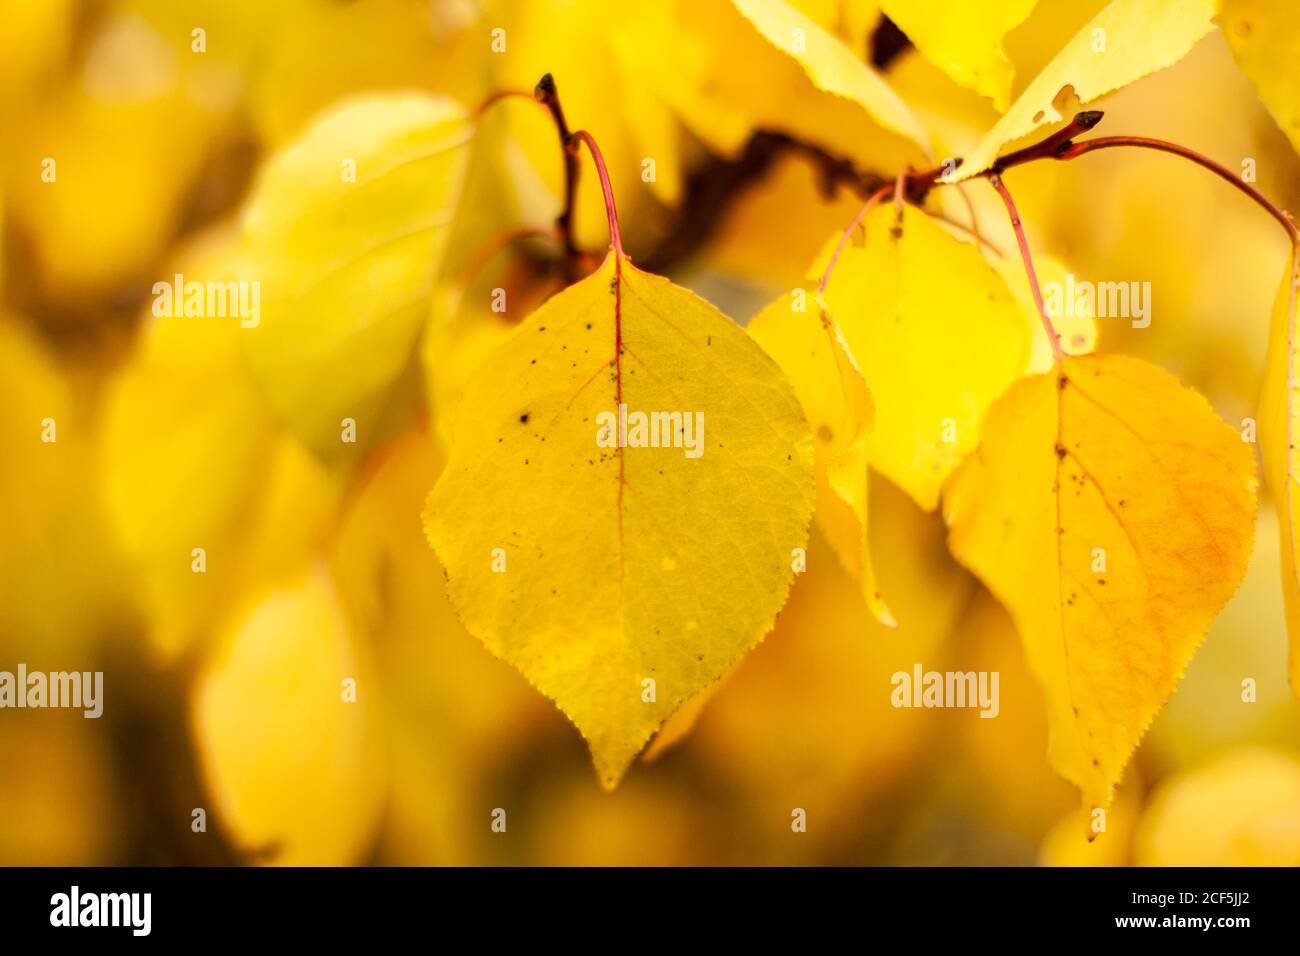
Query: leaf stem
[
  {"x": 1160, "y": 145},
  {"x": 546, "y": 93},
  {"x": 582, "y": 136},
  {"x": 492, "y": 99},
  {"x": 995, "y": 180}
]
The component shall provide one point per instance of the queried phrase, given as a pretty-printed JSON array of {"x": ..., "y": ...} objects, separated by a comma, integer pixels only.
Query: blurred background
[{"x": 222, "y": 689}]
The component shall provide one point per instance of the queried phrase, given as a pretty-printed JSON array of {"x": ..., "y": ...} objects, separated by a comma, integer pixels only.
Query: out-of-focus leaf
[
  {"x": 1240, "y": 810},
  {"x": 964, "y": 39},
  {"x": 1265, "y": 39},
  {"x": 345, "y": 233},
  {"x": 294, "y": 767}
]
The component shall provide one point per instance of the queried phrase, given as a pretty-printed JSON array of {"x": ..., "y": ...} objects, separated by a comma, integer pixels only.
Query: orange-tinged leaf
[
  {"x": 1112, "y": 513},
  {"x": 617, "y": 563}
]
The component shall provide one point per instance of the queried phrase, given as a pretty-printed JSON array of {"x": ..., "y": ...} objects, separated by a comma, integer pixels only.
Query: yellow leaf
[
  {"x": 127, "y": 140},
  {"x": 964, "y": 39},
  {"x": 1265, "y": 42},
  {"x": 1241, "y": 810},
  {"x": 191, "y": 459},
  {"x": 1126, "y": 41},
  {"x": 1278, "y": 427},
  {"x": 809, "y": 347},
  {"x": 830, "y": 65},
  {"x": 1112, "y": 513},
  {"x": 291, "y": 763},
  {"x": 53, "y": 561},
  {"x": 938, "y": 337},
  {"x": 35, "y": 41},
  {"x": 345, "y": 233},
  {"x": 621, "y": 565},
  {"x": 798, "y": 79},
  {"x": 306, "y": 55}
]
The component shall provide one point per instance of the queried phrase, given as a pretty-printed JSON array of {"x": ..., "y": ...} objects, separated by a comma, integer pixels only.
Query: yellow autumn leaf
[
  {"x": 1240, "y": 810},
  {"x": 1112, "y": 513},
  {"x": 798, "y": 79},
  {"x": 595, "y": 564},
  {"x": 35, "y": 41},
  {"x": 964, "y": 39},
  {"x": 831, "y": 66},
  {"x": 191, "y": 461},
  {"x": 1128, "y": 40},
  {"x": 129, "y": 140},
  {"x": 805, "y": 341},
  {"x": 937, "y": 336},
  {"x": 344, "y": 233},
  {"x": 292, "y": 764},
  {"x": 54, "y": 563},
  {"x": 1278, "y": 425},
  {"x": 1265, "y": 42},
  {"x": 307, "y": 55}
]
